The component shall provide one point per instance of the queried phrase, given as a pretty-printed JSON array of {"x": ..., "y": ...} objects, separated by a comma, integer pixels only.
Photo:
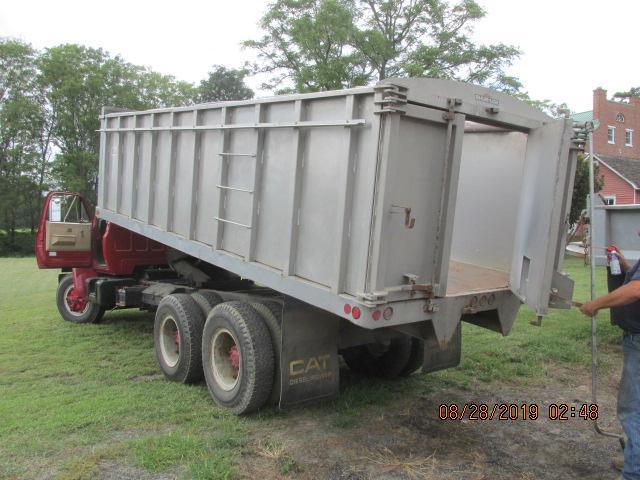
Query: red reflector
[
  {"x": 388, "y": 313},
  {"x": 355, "y": 312},
  {"x": 347, "y": 308},
  {"x": 376, "y": 315}
]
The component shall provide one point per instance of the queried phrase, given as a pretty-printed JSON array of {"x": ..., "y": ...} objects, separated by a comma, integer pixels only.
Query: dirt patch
[
  {"x": 110, "y": 470},
  {"x": 406, "y": 439}
]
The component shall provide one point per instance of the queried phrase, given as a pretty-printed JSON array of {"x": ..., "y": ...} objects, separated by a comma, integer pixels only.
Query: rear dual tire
[
  {"x": 238, "y": 358},
  {"x": 206, "y": 300},
  {"x": 400, "y": 356},
  {"x": 416, "y": 357},
  {"x": 271, "y": 314},
  {"x": 233, "y": 348},
  {"x": 177, "y": 336}
]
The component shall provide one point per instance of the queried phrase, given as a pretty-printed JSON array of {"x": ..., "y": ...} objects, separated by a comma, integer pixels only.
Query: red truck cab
[{"x": 71, "y": 238}]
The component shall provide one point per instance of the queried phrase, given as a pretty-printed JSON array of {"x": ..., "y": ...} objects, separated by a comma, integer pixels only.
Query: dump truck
[{"x": 273, "y": 236}]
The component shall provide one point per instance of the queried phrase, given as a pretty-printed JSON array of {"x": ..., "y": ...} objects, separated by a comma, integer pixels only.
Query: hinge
[{"x": 391, "y": 98}]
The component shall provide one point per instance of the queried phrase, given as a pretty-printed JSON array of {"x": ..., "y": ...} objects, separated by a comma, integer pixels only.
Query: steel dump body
[{"x": 368, "y": 197}]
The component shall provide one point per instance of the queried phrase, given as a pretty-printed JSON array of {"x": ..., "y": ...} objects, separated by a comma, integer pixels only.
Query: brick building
[{"x": 616, "y": 147}]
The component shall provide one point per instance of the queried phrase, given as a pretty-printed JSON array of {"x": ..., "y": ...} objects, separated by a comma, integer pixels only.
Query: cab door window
[{"x": 67, "y": 209}]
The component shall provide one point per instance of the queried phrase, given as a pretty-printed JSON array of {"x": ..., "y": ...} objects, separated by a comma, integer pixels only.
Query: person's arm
[{"x": 624, "y": 295}]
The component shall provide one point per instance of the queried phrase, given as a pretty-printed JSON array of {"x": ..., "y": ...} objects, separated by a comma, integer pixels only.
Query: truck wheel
[
  {"x": 416, "y": 357},
  {"x": 383, "y": 359},
  {"x": 73, "y": 308},
  {"x": 271, "y": 314},
  {"x": 177, "y": 335},
  {"x": 237, "y": 356},
  {"x": 206, "y": 300}
]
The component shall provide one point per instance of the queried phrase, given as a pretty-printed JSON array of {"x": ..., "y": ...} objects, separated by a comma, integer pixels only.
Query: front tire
[
  {"x": 177, "y": 335},
  {"x": 75, "y": 309},
  {"x": 237, "y": 356}
]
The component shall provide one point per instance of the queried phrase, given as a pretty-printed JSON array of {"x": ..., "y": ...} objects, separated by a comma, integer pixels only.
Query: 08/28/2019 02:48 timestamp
[{"x": 517, "y": 411}]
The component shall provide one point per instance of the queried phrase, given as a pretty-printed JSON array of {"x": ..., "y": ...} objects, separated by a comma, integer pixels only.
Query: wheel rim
[
  {"x": 73, "y": 303},
  {"x": 225, "y": 359},
  {"x": 170, "y": 341}
]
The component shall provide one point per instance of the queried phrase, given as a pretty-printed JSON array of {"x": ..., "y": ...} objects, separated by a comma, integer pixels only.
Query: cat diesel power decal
[{"x": 311, "y": 369}]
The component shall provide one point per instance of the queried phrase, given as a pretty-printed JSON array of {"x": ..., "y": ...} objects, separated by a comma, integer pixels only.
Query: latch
[
  {"x": 452, "y": 103},
  {"x": 409, "y": 221},
  {"x": 414, "y": 287}
]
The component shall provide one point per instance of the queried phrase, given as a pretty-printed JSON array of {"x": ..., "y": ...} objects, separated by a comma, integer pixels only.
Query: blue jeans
[{"x": 629, "y": 406}]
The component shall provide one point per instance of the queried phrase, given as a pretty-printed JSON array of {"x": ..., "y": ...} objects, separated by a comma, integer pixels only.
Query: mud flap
[
  {"x": 309, "y": 358},
  {"x": 438, "y": 357}
]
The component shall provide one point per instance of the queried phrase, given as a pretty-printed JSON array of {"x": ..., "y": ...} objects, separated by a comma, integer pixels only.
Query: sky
[{"x": 569, "y": 47}]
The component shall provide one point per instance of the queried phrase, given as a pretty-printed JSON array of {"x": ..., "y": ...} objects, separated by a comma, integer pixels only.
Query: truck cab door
[
  {"x": 64, "y": 235},
  {"x": 545, "y": 201}
]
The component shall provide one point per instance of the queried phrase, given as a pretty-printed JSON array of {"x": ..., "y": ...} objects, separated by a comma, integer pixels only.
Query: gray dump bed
[{"x": 437, "y": 198}]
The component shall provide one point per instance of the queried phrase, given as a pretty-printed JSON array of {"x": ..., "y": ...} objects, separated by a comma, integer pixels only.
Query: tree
[
  {"x": 224, "y": 84},
  {"x": 22, "y": 122},
  {"x": 581, "y": 188},
  {"x": 78, "y": 81},
  {"x": 431, "y": 38},
  {"x": 632, "y": 92},
  {"x": 154, "y": 90},
  {"x": 307, "y": 46},
  {"x": 325, "y": 44}
]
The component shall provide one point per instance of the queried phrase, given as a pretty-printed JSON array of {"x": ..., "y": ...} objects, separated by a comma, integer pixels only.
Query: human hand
[{"x": 589, "y": 308}]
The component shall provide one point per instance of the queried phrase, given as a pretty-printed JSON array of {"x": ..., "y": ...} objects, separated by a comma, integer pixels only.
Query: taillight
[
  {"x": 347, "y": 308},
  {"x": 376, "y": 315},
  {"x": 388, "y": 313},
  {"x": 355, "y": 313}
]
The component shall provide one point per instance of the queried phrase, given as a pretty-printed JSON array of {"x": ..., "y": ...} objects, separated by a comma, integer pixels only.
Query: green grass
[{"x": 73, "y": 396}]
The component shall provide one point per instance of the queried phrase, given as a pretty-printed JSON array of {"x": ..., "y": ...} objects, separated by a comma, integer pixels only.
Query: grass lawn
[{"x": 73, "y": 397}]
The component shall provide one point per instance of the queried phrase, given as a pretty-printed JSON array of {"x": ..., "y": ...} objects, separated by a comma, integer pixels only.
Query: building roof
[
  {"x": 582, "y": 116},
  {"x": 627, "y": 168}
]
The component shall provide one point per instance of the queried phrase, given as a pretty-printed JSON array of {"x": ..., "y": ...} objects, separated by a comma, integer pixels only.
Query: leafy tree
[
  {"x": 22, "y": 121},
  {"x": 581, "y": 188},
  {"x": 632, "y": 92},
  {"x": 224, "y": 84},
  {"x": 325, "y": 44},
  {"x": 154, "y": 90},
  {"x": 307, "y": 44},
  {"x": 431, "y": 38},
  {"x": 78, "y": 82}
]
